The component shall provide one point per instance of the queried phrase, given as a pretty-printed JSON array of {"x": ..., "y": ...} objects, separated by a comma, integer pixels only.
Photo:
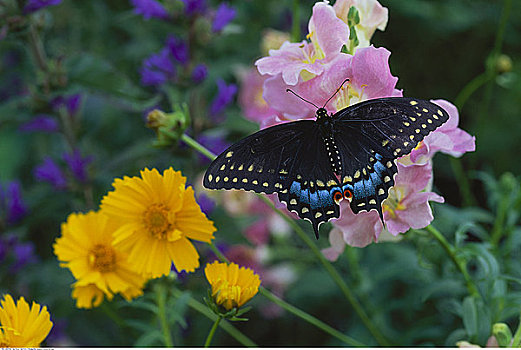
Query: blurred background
[{"x": 465, "y": 51}]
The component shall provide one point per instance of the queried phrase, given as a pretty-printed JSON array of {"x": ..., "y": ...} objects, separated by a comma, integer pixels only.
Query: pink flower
[
  {"x": 327, "y": 35},
  {"x": 406, "y": 207},
  {"x": 369, "y": 77},
  {"x": 253, "y": 105},
  {"x": 448, "y": 138},
  {"x": 372, "y": 16}
]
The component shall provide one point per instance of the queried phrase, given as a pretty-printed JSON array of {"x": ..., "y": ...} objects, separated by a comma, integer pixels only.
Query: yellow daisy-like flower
[
  {"x": 86, "y": 248},
  {"x": 158, "y": 215},
  {"x": 21, "y": 326},
  {"x": 231, "y": 286}
]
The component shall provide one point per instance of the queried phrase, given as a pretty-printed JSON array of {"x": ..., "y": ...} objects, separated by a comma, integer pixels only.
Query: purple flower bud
[
  {"x": 35, "y": 5},
  {"x": 71, "y": 102},
  {"x": 77, "y": 164},
  {"x": 157, "y": 69},
  {"x": 49, "y": 171},
  {"x": 224, "y": 97},
  {"x": 178, "y": 48},
  {"x": 149, "y": 9},
  {"x": 199, "y": 73},
  {"x": 223, "y": 16},
  {"x": 193, "y": 7},
  {"x": 42, "y": 122}
]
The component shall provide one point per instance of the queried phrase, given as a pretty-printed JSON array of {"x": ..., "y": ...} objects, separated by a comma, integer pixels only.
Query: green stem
[
  {"x": 451, "y": 251},
  {"x": 198, "y": 147},
  {"x": 498, "y": 229},
  {"x": 516, "y": 342},
  {"x": 310, "y": 319},
  {"x": 463, "y": 182},
  {"x": 112, "y": 315},
  {"x": 470, "y": 88},
  {"x": 225, "y": 325},
  {"x": 296, "y": 311},
  {"x": 212, "y": 332},
  {"x": 161, "y": 314},
  {"x": 37, "y": 49},
  {"x": 295, "y": 24}
]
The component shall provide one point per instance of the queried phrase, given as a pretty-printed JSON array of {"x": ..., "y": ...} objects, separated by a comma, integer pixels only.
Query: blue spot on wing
[{"x": 316, "y": 199}]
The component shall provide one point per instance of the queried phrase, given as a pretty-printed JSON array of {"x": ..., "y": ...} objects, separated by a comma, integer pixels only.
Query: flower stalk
[
  {"x": 212, "y": 332},
  {"x": 451, "y": 252},
  {"x": 161, "y": 314}
]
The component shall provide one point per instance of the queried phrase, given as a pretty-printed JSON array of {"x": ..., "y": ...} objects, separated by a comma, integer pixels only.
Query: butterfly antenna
[
  {"x": 337, "y": 90},
  {"x": 302, "y": 98}
]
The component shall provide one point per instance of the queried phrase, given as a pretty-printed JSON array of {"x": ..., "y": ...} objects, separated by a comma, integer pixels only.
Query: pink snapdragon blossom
[
  {"x": 406, "y": 207},
  {"x": 408, "y": 204},
  {"x": 373, "y": 16},
  {"x": 327, "y": 35},
  {"x": 448, "y": 139},
  {"x": 369, "y": 77},
  {"x": 253, "y": 105}
]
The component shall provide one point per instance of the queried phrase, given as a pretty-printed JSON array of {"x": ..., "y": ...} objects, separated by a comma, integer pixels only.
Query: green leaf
[
  {"x": 151, "y": 338},
  {"x": 470, "y": 317}
]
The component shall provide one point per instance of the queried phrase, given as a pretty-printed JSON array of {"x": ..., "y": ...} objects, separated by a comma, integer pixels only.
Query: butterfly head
[{"x": 321, "y": 114}]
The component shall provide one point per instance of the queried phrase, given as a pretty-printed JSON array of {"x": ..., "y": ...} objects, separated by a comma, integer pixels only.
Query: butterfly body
[{"x": 314, "y": 164}]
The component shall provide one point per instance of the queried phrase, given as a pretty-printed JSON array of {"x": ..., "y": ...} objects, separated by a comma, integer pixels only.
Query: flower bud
[
  {"x": 502, "y": 333},
  {"x": 169, "y": 127}
]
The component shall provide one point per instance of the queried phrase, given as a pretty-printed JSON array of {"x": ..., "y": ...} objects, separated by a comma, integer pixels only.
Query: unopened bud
[{"x": 502, "y": 333}]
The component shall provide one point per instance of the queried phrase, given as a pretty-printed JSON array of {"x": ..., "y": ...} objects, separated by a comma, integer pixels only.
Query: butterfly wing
[
  {"x": 371, "y": 135},
  {"x": 289, "y": 159},
  {"x": 259, "y": 162}
]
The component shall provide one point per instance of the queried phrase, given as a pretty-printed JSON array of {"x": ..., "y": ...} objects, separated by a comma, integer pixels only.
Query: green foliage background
[{"x": 412, "y": 290}]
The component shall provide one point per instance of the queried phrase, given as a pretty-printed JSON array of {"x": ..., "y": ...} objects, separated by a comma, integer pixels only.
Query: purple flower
[
  {"x": 71, "y": 103},
  {"x": 16, "y": 208},
  {"x": 206, "y": 203},
  {"x": 23, "y": 254},
  {"x": 77, "y": 164},
  {"x": 35, "y": 5},
  {"x": 178, "y": 48},
  {"x": 199, "y": 73},
  {"x": 158, "y": 68},
  {"x": 193, "y": 7},
  {"x": 223, "y": 16},
  {"x": 224, "y": 97},
  {"x": 214, "y": 143},
  {"x": 43, "y": 122},
  {"x": 149, "y": 9},
  {"x": 49, "y": 171}
]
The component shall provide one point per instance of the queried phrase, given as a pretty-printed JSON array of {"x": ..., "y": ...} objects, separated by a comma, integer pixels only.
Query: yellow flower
[
  {"x": 157, "y": 215},
  {"x": 231, "y": 286},
  {"x": 89, "y": 296},
  {"x": 86, "y": 248},
  {"x": 21, "y": 326}
]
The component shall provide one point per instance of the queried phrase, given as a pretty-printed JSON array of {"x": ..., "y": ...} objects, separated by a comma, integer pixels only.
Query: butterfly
[{"x": 312, "y": 165}]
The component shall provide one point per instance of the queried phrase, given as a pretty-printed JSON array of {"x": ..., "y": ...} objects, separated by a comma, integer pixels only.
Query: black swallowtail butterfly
[{"x": 313, "y": 164}]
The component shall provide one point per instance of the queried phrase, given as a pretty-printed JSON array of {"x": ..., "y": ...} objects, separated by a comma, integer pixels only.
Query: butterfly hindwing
[
  {"x": 311, "y": 186},
  {"x": 371, "y": 135}
]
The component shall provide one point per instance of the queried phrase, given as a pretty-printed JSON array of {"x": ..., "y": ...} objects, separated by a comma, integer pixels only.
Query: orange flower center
[
  {"x": 102, "y": 258},
  {"x": 158, "y": 224}
]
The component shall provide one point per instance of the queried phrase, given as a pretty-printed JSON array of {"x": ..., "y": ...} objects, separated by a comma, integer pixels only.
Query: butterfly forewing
[
  {"x": 260, "y": 161},
  {"x": 372, "y": 135}
]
